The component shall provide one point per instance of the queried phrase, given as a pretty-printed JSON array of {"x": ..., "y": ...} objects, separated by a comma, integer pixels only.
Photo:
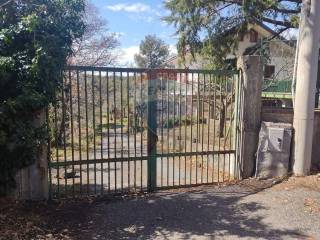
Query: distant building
[{"x": 279, "y": 60}]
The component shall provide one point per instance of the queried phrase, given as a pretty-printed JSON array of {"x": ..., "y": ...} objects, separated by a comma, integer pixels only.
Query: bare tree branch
[
  {"x": 6, "y": 3},
  {"x": 97, "y": 45}
]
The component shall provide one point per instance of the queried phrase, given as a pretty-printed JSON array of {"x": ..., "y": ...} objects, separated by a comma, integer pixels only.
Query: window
[
  {"x": 269, "y": 71},
  {"x": 253, "y": 36}
]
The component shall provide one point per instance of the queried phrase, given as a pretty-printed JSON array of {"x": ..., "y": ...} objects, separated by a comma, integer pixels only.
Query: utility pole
[{"x": 306, "y": 85}]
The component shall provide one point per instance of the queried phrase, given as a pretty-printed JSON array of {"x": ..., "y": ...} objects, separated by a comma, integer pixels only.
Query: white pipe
[
  {"x": 306, "y": 85},
  {"x": 294, "y": 75}
]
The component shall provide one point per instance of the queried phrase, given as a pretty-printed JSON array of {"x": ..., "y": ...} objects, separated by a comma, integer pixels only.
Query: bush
[{"x": 35, "y": 41}]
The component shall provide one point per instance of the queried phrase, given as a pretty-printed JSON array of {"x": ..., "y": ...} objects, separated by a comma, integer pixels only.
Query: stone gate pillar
[
  {"x": 251, "y": 69},
  {"x": 32, "y": 181}
]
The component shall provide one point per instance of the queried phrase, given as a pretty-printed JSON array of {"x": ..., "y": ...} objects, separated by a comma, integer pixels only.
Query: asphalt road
[
  {"x": 250, "y": 209},
  {"x": 230, "y": 212}
]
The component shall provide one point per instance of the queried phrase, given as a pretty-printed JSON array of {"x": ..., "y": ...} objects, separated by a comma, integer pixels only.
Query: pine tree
[{"x": 153, "y": 53}]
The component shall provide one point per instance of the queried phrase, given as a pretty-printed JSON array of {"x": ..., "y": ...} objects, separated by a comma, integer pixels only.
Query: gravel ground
[{"x": 248, "y": 210}]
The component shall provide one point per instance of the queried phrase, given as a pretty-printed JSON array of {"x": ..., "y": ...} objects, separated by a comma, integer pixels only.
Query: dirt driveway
[{"x": 248, "y": 210}]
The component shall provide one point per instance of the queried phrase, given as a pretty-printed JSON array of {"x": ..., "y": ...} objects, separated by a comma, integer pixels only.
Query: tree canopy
[
  {"x": 36, "y": 38},
  {"x": 153, "y": 53},
  {"x": 204, "y": 26}
]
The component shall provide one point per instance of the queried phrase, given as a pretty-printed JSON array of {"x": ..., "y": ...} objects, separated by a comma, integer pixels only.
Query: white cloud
[
  {"x": 127, "y": 7},
  {"x": 127, "y": 56},
  {"x": 141, "y": 17}
]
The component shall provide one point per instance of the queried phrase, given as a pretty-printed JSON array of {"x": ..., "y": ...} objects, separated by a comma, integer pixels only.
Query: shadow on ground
[{"x": 199, "y": 213}]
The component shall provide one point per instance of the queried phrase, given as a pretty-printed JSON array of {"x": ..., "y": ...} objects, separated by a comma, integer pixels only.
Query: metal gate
[{"x": 121, "y": 130}]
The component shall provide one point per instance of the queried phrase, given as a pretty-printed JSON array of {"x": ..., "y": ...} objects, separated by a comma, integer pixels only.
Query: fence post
[
  {"x": 250, "y": 114},
  {"x": 32, "y": 181},
  {"x": 152, "y": 130}
]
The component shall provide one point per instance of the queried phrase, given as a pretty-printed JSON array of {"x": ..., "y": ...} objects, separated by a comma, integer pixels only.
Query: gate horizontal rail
[
  {"x": 146, "y": 70},
  {"x": 126, "y": 159},
  {"x": 134, "y": 129}
]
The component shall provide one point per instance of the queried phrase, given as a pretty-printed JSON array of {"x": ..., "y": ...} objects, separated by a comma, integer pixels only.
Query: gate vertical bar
[
  {"x": 209, "y": 118},
  {"x": 141, "y": 135},
  {"x": 121, "y": 129},
  {"x": 128, "y": 129},
  {"x": 162, "y": 126},
  {"x": 64, "y": 133},
  {"x": 57, "y": 147},
  {"x": 94, "y": 130},
  {"x": 202, "y": 124},
  {"x": 152, "y": 131},
  {"x": 79, "y": 130},
  {"x": 49, "y": 152},
  {"x": 180, "y": 137},
  {"x": 185, "y": 127},
  {"x": 87, "y": 127},
  {"x": 191, "y": 139},
  {"x": 168, "y": 128},
  {"x": 72, "y": 135},
  {"x": 115, "y": 129},
  {"x": 173, "y": 126},
  {"x": 101, "y": 130},
  {"x": 135, "y": 129},
  {"x": 109, "y": 110}
]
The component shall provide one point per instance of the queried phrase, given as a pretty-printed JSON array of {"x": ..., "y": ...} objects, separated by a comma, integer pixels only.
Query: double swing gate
[{"x": 124, "y": 130}]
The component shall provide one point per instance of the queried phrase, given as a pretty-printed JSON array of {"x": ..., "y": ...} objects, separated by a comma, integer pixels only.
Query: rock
[
  {"x": 276, "y": 181},
  {"x": 131, "y": 229},
  {"x": 49, "y": 235}
]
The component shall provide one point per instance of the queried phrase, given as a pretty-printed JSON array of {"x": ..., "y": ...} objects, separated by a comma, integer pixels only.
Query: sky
[{"x": 132, "y": 21}]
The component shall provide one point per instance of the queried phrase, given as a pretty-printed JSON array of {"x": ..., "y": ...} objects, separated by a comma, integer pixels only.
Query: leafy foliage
[
  {"x": 35, "y": 41},
  {"x": 153, "y": 53},
  {"x": 211, "y": 28}
]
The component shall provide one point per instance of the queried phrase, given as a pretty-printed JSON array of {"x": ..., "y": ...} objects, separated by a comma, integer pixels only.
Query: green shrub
[{"x": 35, "y": 41}]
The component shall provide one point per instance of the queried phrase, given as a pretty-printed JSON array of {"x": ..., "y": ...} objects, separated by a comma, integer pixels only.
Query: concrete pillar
[
  {"x": 306, "y": 86},
  {"x": 32, "y": 181},
  {"x": 251, "y": 68}
]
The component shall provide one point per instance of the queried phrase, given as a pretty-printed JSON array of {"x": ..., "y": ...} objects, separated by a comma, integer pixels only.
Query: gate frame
[{"x": 152, "y": 120}]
